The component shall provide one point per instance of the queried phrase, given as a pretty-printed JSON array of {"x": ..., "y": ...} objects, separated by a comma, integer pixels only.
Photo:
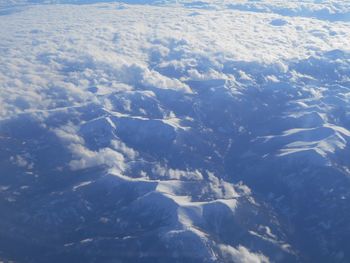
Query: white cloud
[
  {"x": 241, "y": 255},
  {"x": 68, "y": 134},
  {"x": 44, "y": 73},
  {"x": 85, "y": 158},
  {"x": 124, "y": 149},
  {"x": 220, "y": 188},
  {"x": 176, "y": 174},
  {"x": 22, "y": 161}
]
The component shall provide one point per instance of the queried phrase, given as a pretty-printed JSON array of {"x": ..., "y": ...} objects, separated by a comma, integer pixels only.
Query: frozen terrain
[{"x": 174, "y": 131}]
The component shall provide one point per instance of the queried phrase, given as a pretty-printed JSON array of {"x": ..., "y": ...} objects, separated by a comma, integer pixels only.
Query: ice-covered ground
[{"x": 174, "y": 131}]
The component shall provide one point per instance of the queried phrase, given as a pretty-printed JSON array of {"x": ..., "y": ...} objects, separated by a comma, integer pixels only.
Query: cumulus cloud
[
  {"x": 220, "y": 188},
  {"x": 45, "y": 73},
  {"x": 124, "y": 149},
  {"x": 242, "y": 255},
  {"x": 86, "y": 158},
  {"x": 325, "y": 10},
  {"x": 68, "y": 134},
  {"x": 22, "y": 161},
  {"x": 176, "y": 174},
  {"x": 137, "y": 74}
]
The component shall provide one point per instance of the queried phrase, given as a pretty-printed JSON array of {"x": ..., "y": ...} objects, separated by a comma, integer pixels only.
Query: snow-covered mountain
[{"x": 174, "y": 131}]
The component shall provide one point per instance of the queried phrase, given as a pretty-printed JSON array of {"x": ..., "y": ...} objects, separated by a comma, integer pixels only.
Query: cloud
[
  {"x": 220, "y": 188},
  {"x": 241, "y": 255},
  {"x": 68, "y": 134},
  {"x": 22, "y": 161},
  {"x": 176, "y": 174},
  {"x": 85, "y": 158},
  {"x": 124, "y": 149}
]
